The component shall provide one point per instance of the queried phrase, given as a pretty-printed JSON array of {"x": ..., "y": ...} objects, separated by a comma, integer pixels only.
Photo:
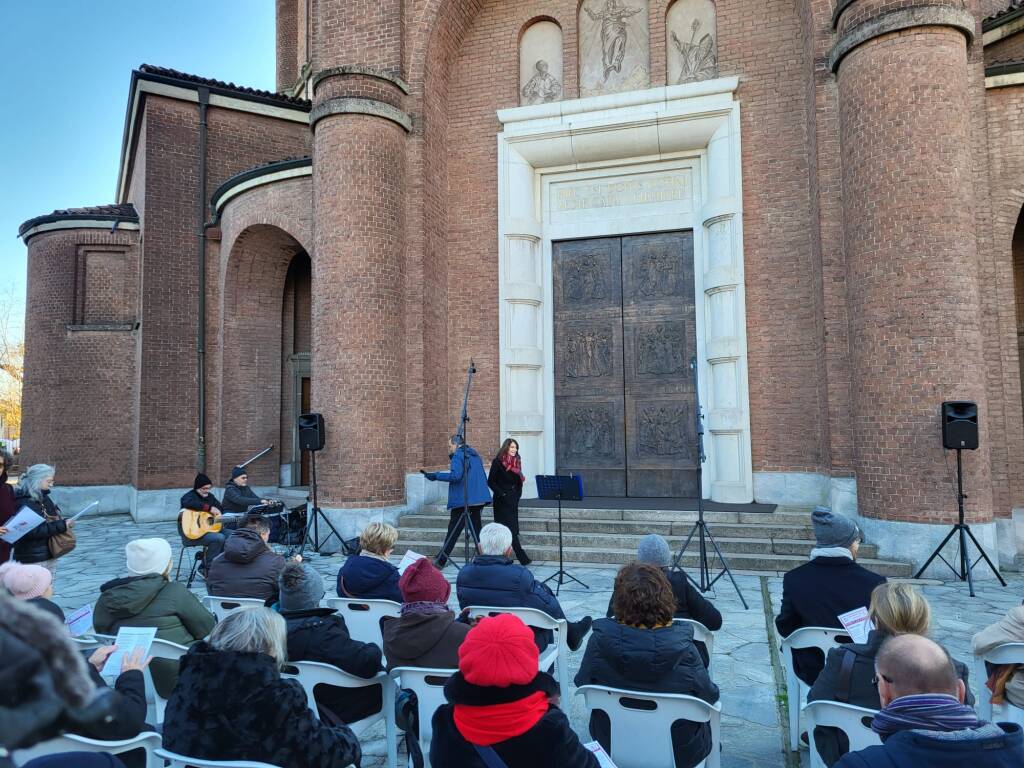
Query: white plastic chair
[
  {"x": 642, "y": 737},
  {"x": 148, "y": 741},
  {"x": 310, "y": 674},
  {"x": 161, "y": 649},
  {"x": 703, "y": 635},
  {"x": 428, "y": 685},
  {"x": 224, "y": 606},
  {"x": 847, "y": 718},
  {"x": 1007, "y": 653},
  {"x": 825, "y": 638},
  {"x": 557, "y": 652},
  {"x": 181, "y": 761},
  {"x": 362, "y": 617}
]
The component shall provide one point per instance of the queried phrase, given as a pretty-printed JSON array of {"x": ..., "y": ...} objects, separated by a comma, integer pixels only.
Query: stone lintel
[{"x": 354, "y": 106}]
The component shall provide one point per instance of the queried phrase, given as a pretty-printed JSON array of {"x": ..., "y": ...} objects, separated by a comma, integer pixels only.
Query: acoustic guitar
[{"x": 195, "y": 523}]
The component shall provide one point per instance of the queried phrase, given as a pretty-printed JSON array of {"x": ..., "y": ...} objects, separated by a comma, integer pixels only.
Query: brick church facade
[{"x": 817, "y": 202}]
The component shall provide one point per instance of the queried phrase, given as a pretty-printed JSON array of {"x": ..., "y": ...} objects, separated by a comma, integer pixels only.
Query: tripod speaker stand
[{"x": 312, "y": 436}]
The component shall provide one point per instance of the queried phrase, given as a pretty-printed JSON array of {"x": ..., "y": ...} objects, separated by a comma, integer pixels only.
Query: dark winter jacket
[
  {"x": 192, "y": 500},
  {"x": 661, "y": 660},
  {"x": 33, "y": 547},
  {"x": 990, "y": 746},
  {"x": 369, "y": 578},
  {"x": 550, "y": 743},
  {"x": 320, "y": 634},
  {"x": 236, "y": 706},
  {"x": 247, "y": 567},
  {"x": 238, "y": 498},
  {"x": 494, "y": 580},
  {"x": 814, "y": 594},
  {"x": 7, "y": 511},
  {"x": 128, "y": 710},
  {"x": 152, "y": 601},
  {"x": 476, "y": 480},
  {"x": 506, "y": 486},
  {"x": 49, "y": 606},
  {"x": 857, "y": 689},
  {"x": 423, "y": 640}
]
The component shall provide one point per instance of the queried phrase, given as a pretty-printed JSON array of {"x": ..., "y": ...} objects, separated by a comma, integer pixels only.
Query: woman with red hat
[{"x": 501, "y": 710}]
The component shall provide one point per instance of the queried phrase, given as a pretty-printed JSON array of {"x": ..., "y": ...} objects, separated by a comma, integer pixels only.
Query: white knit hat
[{"x": 146, "y": 556}]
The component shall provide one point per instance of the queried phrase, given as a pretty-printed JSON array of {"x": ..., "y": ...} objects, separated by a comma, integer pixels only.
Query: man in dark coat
[
  {"x": 238, "y": 496},
  {"x": 248, "y": 567},
  {"x": 201, "y": 498},
  {"x": 492, "y": 579},
  {"x": 924, "y": 721},
  {"x": 320, "y": 634},
  {"x": 816, "y": 593}
]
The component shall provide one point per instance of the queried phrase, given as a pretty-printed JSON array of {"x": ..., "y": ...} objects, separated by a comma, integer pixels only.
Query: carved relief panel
[
  {"x": 691, "y": 41},
  {"x": 540, "y": 63},
  {"x": 614, "y": 46}
]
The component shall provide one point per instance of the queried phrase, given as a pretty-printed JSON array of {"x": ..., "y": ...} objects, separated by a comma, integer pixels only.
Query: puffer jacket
[
  {"x": 238, "y": 498},
  {"x": 662, "y": 660},
  {"x": 33, "y": 547},
  {"x": 423, "y": 640},
  {"x": 369, "y": 578},
  {"x": 246, "y": 568},
  {"x": 1009, "y": 629},
  {"x": 475, "y": 481},
  {"x": 236, "y": 706},
  {"x": 152, "y": 601}
]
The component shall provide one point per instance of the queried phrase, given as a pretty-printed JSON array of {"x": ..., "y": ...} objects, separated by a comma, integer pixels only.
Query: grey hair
[
  {"x": 253, "y": 630},
  {"x": 495, "y": 539},
  {"x": 31, "y": 480}
]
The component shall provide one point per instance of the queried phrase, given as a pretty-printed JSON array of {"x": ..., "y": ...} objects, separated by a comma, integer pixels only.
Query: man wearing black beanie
[{"x": 201, "y": 498}]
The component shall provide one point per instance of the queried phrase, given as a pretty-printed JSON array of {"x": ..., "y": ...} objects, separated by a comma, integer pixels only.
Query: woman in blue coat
[{"x": 466, "y": 479}]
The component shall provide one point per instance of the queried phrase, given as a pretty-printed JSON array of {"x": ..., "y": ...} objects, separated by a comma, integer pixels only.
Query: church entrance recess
[{"x": 624, "y": 330}]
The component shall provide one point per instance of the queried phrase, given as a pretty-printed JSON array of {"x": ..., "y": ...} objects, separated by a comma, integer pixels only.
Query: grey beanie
[
  {"x": 654, "y": 550},
  {"x": 832, "y": 529},
  {"x": 301, "y": 586}
]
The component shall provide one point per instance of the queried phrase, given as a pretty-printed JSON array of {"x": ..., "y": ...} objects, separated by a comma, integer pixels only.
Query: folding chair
[
  {"x": 847, "y": 718},
  {"x": 180, "y": 761},
  {"x": 223, "y": 606},
  {"x": 703, "y": 635},
  {"x": 557, "y": 652},
  {"x": 310, "y": 674},
  {"x": 428, "y": 685},
  {"x": 362, "y": 617},
  {"x": 1007, "y": 653},
  {"x": 161, "y": 649},
  {"x": 148, "y": 741},
  {"x": 641, "y": 724},
  {"x": 825, "y": 638},
  {"x": 187, "y": 543}
]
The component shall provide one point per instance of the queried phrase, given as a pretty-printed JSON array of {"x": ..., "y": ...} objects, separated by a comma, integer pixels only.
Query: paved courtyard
[{"x": 753, "y": 723}]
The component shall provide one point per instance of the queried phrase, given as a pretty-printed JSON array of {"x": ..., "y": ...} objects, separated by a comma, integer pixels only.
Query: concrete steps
[{"x": 751, "y": 542}]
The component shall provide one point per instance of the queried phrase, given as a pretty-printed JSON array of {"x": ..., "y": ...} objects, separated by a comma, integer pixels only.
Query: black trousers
[
  {"x": 455, "y": 527},
  {"x": 506, "y": 512}
]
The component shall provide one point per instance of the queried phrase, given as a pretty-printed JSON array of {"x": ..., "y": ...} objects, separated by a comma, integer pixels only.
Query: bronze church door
[{"x": 624, "y": 327}]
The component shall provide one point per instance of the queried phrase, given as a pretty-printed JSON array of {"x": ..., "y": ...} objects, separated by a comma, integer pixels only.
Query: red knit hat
[
  {"x": 499, "y": 651},
  {"x": 422, "y": 582}
]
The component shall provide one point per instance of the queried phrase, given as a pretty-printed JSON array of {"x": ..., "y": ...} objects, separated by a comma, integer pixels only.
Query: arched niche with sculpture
[
  {"x": 540, "y": 63},
  {"x": 691, "y": 41},
  {"x": 614, "y": 46}
]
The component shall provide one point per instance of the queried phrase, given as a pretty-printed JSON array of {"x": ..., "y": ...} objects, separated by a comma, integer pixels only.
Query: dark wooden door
[{"x": 624, "y": 334}]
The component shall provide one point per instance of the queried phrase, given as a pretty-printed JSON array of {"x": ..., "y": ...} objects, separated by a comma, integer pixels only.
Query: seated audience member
[
  {"x": 32, "y": 583},
  {"x": 320, "y": 634},
  {"x": 427, "y": 633},
  {"x": 201, "y": 498},
  {"x": 1006, "y": 681},
  {"x": 642, "y": 649},
  {"x": 369, "y": 574},
  {"x": 247, "y": 567},
  {"x": 492, "y": 579},
  {"x": 690, "y": 604},
  {"x": 231, "y": 702},
  {"x": 501, "y": 710},
  {"x": 849, "y": 673},
  {"x": 816, "y": 593},
  {"x": 146, "y": 598},
  {"x": 238, "y": 496},
  {"x": 924, "y": 721}
]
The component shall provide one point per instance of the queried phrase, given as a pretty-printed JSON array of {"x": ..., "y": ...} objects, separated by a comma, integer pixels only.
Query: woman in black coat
[
  {"x": 33, "y": 491},
  {"x": 506, "y": 482},
  {"x": 643, "y": 650}
]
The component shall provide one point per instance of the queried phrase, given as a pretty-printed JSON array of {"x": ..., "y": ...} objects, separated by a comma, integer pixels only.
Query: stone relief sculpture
[
  {"x": 540, "y": 63},
  {"x": 614, "y": 46},
  {"x": 662, "y": 430},
  {"x": 659, "y": 349},
  {"x": 588, "y": 353},
  {"x": 656, "y": 274},
  {"x": 693, "y": 41},
  {"x": 584, "y": 279},
  {"x": 590, "y": 432}
]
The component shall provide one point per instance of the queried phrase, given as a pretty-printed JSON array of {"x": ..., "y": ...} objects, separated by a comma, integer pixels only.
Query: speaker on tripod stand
[{"x": 312, "y": 436}]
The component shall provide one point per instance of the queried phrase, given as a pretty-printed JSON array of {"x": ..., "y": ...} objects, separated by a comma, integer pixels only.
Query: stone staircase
[{"x": 752, "y": 542}]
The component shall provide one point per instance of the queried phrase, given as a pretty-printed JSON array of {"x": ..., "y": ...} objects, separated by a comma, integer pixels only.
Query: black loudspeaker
[
  {"x": 311, "y": 432},
  {"x": 960, "y": 425}
]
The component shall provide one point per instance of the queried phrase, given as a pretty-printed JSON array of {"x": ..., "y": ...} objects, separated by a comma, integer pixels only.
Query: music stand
[{"x": 560, "y": 488}]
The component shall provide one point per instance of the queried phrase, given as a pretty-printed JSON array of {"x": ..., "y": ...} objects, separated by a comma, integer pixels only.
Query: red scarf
[
  {"x": 488, "y": 725},
  {"x": 513, "y": 464}
]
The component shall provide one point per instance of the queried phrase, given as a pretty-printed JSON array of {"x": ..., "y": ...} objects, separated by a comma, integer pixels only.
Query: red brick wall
[
  {"x": 1011, "y": 47},
  {"x": 287, "y": 29}
]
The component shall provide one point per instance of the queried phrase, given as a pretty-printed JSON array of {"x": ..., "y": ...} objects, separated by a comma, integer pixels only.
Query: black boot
[
  {"x": 577, "y": 631},
  {"x": 441, "y": 561},
  {"x": 521, "y": 556}
]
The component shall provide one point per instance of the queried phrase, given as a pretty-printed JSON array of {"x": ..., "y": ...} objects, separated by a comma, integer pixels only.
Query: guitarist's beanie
[{"x": 200, "y": 481}]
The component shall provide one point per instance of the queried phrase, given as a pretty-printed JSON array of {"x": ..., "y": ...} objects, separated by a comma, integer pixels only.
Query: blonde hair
[
  {"x": 256, "y": 630},
  {"x": 378, "y": 538},
  {"x": 898, "y": 608}
]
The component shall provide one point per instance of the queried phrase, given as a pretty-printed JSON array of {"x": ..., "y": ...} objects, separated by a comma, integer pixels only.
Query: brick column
[
  {"x": 287, "y": 29},
  {"x": 908, "y": 206}
]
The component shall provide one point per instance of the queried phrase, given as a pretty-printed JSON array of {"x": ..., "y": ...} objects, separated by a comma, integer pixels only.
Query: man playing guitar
[{"x": 201, "y": 517}]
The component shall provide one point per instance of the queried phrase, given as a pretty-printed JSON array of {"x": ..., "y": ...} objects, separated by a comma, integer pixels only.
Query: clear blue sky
[{"x": 65, "y": 66}]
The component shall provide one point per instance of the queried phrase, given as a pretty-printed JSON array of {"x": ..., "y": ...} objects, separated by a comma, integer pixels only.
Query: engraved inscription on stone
[
  {"x": 659, "y": 349},
  {"x": 588, "y": 353},
  {"x": 583, "y": 279},
  {"x": 589, "y": 431},
  {"x": 614, "y": 46},
  {"x": 692, "y": 41},
  {"x": 540, "y": 63},
  {"x": 662, "y": 430},
  {"x": 656, "y": 273},
  {"x": 634, "y": 190}
]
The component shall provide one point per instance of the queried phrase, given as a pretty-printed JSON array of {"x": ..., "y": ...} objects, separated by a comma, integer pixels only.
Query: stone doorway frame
[{"x": 691, "y": 129}]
